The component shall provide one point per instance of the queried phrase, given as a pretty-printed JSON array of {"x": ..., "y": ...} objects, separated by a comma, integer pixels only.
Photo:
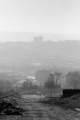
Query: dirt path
[{"x": 38, "y": 111}]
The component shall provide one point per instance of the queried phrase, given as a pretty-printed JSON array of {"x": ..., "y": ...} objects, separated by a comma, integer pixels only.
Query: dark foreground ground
[{"x": 35, "y": 110}]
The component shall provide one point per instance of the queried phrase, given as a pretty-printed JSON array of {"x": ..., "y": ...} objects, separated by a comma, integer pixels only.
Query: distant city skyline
[{"x": 35, "y": 36}]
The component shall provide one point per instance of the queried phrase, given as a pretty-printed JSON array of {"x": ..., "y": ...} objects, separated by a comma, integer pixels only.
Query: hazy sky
[{"x": 54, "y": 16}]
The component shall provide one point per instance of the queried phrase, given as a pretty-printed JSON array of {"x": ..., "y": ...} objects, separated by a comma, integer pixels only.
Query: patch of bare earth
[{"x": 38, "y": 111}]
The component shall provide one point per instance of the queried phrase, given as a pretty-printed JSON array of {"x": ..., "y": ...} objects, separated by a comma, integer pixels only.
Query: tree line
[{"x": 53, "y": 82}]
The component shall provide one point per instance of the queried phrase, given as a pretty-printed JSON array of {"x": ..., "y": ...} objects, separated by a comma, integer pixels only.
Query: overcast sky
[{"x": 49, "y": 16}]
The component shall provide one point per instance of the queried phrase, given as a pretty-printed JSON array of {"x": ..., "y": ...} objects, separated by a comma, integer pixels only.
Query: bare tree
[
  {"x": 50, "y": 84},
  {"x": 73, "y": 80},
  {"x": 57, "y": 76}
]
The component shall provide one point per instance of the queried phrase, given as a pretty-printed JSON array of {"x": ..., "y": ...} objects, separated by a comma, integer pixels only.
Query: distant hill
[{"x": 28, "y": 57}]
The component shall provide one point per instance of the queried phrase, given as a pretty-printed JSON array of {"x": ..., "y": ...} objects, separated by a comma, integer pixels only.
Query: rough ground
[{"x": 38, "y": 111}]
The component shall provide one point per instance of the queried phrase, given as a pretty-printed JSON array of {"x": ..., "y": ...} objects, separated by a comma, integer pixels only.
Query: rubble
[{"x": 9, "y": 105}]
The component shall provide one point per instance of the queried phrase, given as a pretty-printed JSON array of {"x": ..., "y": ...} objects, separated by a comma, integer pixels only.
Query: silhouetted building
[{"x": 70, "y": 92}]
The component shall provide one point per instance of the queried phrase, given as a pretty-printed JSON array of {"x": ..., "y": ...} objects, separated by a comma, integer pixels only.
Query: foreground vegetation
[
  {"x": 34, "y": 109},
  {"x": 33, "y": 102}
]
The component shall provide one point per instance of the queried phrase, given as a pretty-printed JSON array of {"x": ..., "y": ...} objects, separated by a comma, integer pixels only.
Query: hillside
[{"x": 27, "y": 57}]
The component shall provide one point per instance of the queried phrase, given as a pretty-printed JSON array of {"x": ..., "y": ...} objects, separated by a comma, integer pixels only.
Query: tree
[
  {"x": 27, "y": 85},
  {"x": 5, "y": 86},
  {"x": 57, "y": 76},
  {"x": 50, "y": 84},
  {"x": 73, "y": 80}
]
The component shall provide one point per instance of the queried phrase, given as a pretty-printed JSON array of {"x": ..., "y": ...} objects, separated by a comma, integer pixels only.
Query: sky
[{"x": 43, "y": 16}]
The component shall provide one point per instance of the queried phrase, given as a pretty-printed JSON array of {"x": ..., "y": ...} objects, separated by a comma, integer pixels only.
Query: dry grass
[{"x": 37, "y": 111}]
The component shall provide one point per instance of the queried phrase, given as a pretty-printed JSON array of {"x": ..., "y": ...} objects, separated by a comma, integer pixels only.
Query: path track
[{"x": 38, "y": 111}]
